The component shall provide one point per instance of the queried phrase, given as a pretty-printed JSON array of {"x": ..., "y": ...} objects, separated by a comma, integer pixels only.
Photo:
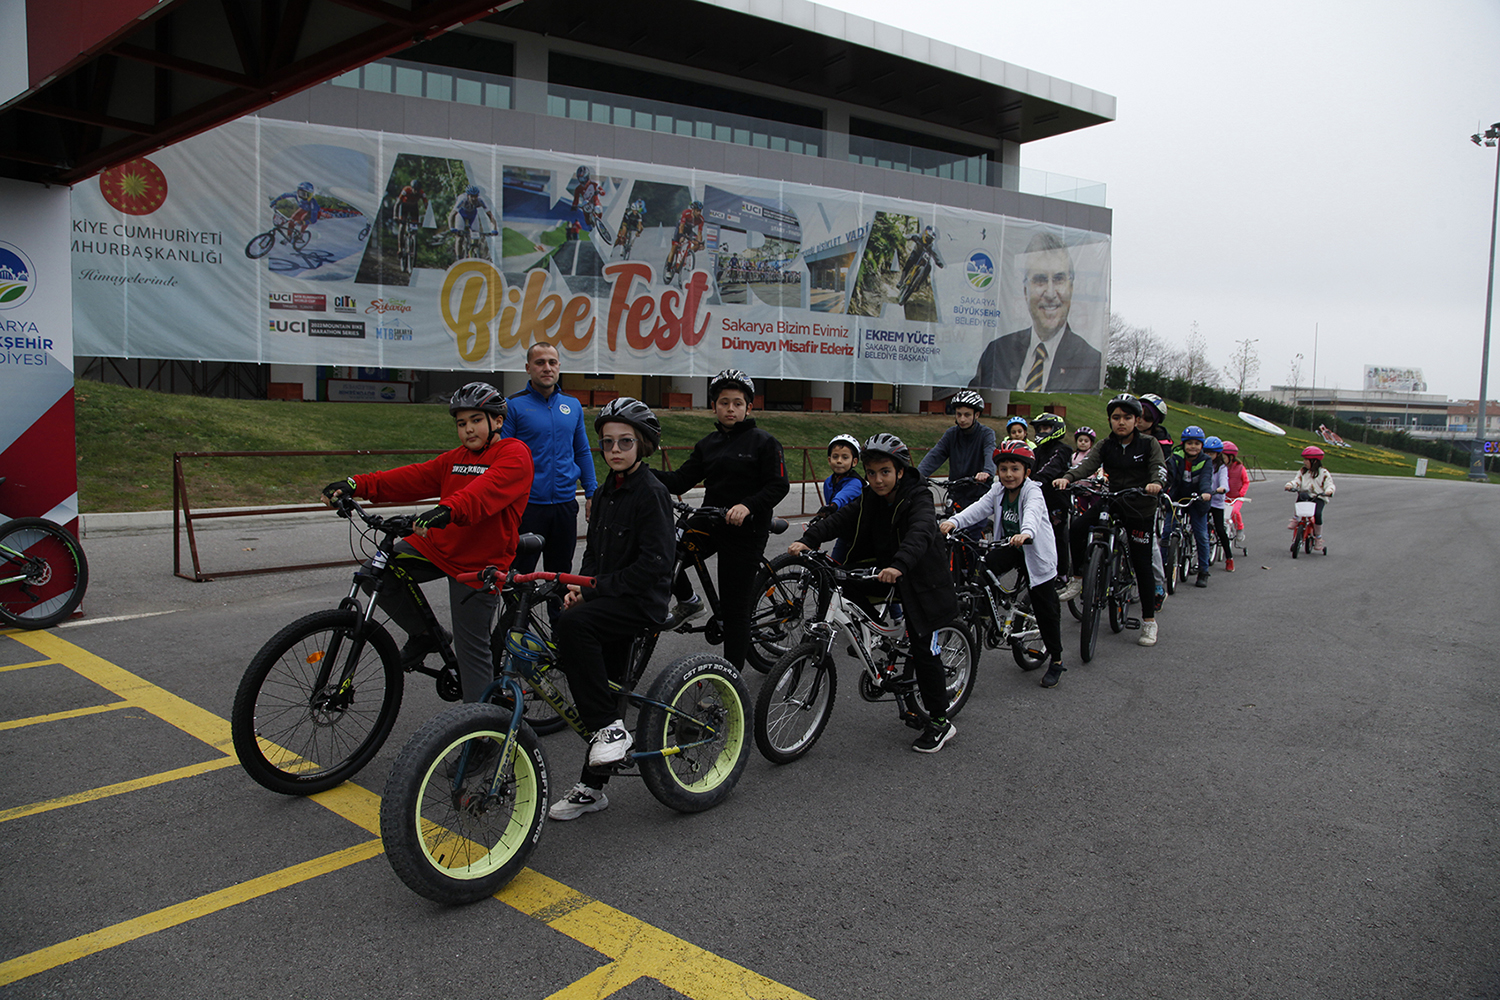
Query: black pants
[
  {"x": 558, "y": 524},
  {"x": 739, "y": 550},
  {"x": 925, "y": 663},
  {"x": 593, "y": 648},
  {"x": 473, "y": 616},
  {"x": 1218, "y": 514},
  {"x": 1044, "y": 602},
  {"x": 1142, "y": 537}
]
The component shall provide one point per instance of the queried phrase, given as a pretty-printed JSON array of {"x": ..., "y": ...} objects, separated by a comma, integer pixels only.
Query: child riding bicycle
[
  {"x": 1315, "y": 481},
  {"x": 968, "y": 447}
]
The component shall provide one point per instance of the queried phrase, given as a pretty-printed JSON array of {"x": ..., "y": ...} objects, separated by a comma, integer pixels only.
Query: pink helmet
[
  {"x": 1312, "y": 451},
  {"x": 1230, "y": 448}
]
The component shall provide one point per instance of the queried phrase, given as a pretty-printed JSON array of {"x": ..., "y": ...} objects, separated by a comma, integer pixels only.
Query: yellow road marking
[
  {"x": 26, "y": 666},
  {"x": 72, "y": 713},
  {"x": 129, "y": 930},
  {"x": 119, "y": 788},
  {"x": 635, "y": 948}
]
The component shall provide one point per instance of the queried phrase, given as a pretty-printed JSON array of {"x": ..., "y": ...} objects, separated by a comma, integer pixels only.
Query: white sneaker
[
  {"x": 610, "y": 744},
  {"x": 1148, "y": 634},
  {"x": 582, "y": 799},
  {"x": 1071, "y": 589}
]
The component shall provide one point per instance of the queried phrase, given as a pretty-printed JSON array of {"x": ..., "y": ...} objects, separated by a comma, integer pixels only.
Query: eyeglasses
[{"x": 616, "y": 444}]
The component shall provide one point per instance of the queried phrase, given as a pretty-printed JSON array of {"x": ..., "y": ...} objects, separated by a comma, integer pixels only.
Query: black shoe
[
  {"x": 934, "y": 736},
  {"x": 1202, "y": 580},
  {"x": 420, "y": 646},
  {"x": 1054, "y": 673}
]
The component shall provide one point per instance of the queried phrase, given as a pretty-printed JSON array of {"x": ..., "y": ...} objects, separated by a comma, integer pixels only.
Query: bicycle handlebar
[
  {"x": 490, "y": 576},
  {"x": 778, "y": 524}
]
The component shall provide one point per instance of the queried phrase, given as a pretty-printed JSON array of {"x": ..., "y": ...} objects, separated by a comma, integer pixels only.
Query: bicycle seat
[{"x": 530, "y": 543}]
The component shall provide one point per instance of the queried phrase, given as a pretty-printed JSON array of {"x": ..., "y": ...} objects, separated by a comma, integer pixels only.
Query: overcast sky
[{"x": 1277, "y": 165}]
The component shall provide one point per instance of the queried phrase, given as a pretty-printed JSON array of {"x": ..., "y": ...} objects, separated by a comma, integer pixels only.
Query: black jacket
[
  {"x": 902, "y": 533},
  {"x": 1128, "y": 466},
  {"x": 740, "y": 464},
  {"x": 1053, "y": 457},
  {"x": 632, "y": 542}
]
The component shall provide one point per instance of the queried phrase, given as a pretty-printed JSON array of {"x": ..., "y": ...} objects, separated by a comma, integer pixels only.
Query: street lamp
[{"x": 1490, "y": 137}]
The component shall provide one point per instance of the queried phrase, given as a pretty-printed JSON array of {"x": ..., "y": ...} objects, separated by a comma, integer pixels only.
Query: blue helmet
[
  {"x": 1212, "y": 443},
  {"x": 1017, "y": 420},
  {"x": 1192, "y": 432},
  {"x": 305, "y": 186},
  {"x": 696, "y": 206},
  {"x": 473, "y": 191},
  {"x": 639, "y": 206}
]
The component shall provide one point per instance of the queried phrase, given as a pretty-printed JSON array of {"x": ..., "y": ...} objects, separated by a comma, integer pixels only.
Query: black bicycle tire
[
  {"x": 1118, "y": 595},
  {"x": 244, "y": 718},
  {"x": 1093, "y": 595},
  {"x": 70, "y": 599},
  {"x": 682, "y": 684},
  {"x": 1170, "y": 567},
  {"x": 416, "y": 829},
  {"x": 770, "y": 637},
  {"x": 260, "y": 245}
]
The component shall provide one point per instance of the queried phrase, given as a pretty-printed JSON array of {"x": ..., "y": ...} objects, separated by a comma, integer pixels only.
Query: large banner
[
  {"x": 1394, "y": 379},
  {"x": 269, "y": 241}
]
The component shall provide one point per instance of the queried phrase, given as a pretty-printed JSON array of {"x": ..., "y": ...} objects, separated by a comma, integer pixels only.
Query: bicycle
[
  {"x": 43, "y": 573},
  {"x": 796, "y": 698},
  {"x": 1180, "y": 562},
  {"x": 1304, "y": 525},
  {"x": 467, "y": 797},
  {"x": 681, "y": 258},
  {"x": 318, "y": 700},
  {"x": 470, "y": 243},
  {"x": 594, "y": 216},
  {"x": 1237, "y": 522},
  {"x": 281, "y": 226},
  {"x": 626, "y": 242},
  {"x": 1108, "y": 580},
  {"x": 998, "y": 617},
  {"x": 406, "y": 244}
]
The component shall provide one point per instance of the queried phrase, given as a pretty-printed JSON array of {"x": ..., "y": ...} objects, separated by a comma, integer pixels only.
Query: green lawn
[{"x": 126, "y": 438}]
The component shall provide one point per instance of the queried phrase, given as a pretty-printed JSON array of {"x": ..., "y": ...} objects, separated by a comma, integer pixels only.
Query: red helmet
[
  {"x": 1312, "y": 451},
  {"x": 1016, "y": 451},
  {"x": 1230, "y": 448}
]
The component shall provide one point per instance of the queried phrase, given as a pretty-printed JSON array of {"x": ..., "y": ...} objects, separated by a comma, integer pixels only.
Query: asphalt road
[{"x": 1292, "y": 795}]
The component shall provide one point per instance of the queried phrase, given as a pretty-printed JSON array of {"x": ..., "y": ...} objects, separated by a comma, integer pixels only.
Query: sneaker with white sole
[
  {"x": 610, "y": 744},
  {"x": 582, "y": 799},
  {"x": 1071, "y": 589},
  {"x": 934, "y": 736},
  {"x": 686, "y": 611},
  {"x": 1148, "y": 634}
]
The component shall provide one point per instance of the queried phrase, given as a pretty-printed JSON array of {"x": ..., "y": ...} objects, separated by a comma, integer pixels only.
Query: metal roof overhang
[
  {"x": 186, "y": 66},
  {"x": 805, "y": 47}
]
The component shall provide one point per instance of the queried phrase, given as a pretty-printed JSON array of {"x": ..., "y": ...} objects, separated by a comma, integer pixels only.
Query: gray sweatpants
[{"x": 473, "y": 618}]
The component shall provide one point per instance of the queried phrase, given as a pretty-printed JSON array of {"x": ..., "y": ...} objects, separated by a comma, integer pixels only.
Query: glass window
[
  {"x": 742, "y": 136},
  {"x": 760, "y": 139},
  {"x": 378, "y": 77},
  {"x": 497, "y": 95},
  {"x": 349, "y": 79},
  {"x": 684, "y": 128},
  {"x": 440, "y": 86},
  {"x": 600, "y": 113},
  {"x": 408, "y": 81},
  {"x": 793, "y": 146},
  {"x": 778, "y": 142},
  {"x": 664, "y": 123},
  {"x": 723, "y": 133},
  {"x": 557, "y": 106},
  {"x": 578, "y": 109},
  {"x": 468, "y": 91}
]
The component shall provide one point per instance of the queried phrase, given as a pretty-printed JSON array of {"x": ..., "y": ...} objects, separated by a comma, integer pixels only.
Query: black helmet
[
  {"x": 635, "y": 413},
  {"x": 965, "y": 397},
  {"x": 887, "y": 444},
  {"x": 848, "y": 441},
  {"x": 1048, "y": 423},
  {"x": 1124, "y": 401},
  {"x": 731, "y": 378},
  {"x": 478, "y": 396}
]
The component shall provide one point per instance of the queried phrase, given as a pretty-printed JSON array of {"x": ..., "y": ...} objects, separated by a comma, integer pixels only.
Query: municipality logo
[
  {"x": 17, "y": 276},
  {"x": 980, "y": 269}
]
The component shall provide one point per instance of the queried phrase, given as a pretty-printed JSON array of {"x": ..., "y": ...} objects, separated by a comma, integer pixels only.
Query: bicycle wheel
[
  {"x": 795, "y": 703},
  {"x": 693, "y": 730},
  {"x": 960, "y": 655},
  {"x": 1119, "y": 592},
  {"x": 1095, "y": 590},
  {"x": 1028, "y": 653},
  {"x": 299, "y": 238},
  {"x": 1307, "y": 540},
  {"x": 297, "y": 735},
  {"x": 787, "y": 596},
  {"x": 1296, "y": 539},
  {"x": 45, "y": 571},
  {"x": 260, "y": 245},
  {"x": 1172, "y": 567},
  {"x": 605, "y": 233},
  {"x": 457, "y": 838},
  {"x": 1185, "y": 556}
]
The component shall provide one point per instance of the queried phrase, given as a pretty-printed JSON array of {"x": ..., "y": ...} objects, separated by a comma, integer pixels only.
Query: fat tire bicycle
[
  {"x": 467, "y": 797},
  {"x": 318, "y": 700},
  {"x": 796, "y": 698},
  {"x": 43, "y": 573}
]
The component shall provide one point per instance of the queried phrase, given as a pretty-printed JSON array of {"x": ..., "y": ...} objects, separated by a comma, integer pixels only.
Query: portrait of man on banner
[{"x": 1048, "y": 355}]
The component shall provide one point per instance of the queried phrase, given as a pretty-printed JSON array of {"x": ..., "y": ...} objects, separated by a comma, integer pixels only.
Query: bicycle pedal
[{"x": 1132, "y": 623}]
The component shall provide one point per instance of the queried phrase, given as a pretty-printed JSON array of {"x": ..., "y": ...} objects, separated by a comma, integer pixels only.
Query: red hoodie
[{"x": 486, "y": 491}]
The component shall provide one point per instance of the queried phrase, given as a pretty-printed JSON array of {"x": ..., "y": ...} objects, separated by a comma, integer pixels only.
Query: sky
[{"x": 1281, "y": 171}]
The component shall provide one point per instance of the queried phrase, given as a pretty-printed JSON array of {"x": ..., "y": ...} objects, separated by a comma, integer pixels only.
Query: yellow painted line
[
  {"x": 120, "y": 788},
  {"x": 126, "y": 931},
  {"x": 26, "y": 666},
  {"x": 72, "y": 713}
]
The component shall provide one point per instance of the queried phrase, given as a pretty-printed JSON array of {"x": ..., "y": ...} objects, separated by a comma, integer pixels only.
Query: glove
[
  {"x": 437, "y": 517},
  {"x": 342, "y": 486}
]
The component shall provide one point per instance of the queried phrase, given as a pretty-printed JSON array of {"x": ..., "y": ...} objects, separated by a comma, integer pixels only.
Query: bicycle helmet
[
  {"x": 478, "y": 396},
  {"x": 1312, "y": 451},
  {"x": 965, "y": 397},
  {"x": 1192, "y": 432},
  {"x": 1230, "y": 448},
  {"x": 1017, "y": 419},
  {"x": 305, "y": 186},
  {"x": 1015, "y": 451},
  {"x": 473, "y": 191},
  {"x": 637, "y": 414},
  {"x": 1048, "y": 423},
  {"x": 582, "y": 173},
  {"x": 889, "y": 445},
  {"x": 1124, "y": 401},
  {"x": 1157, "y": 404},
  {"x": 696, "y": 206},
  {"x": 847, "y": 440},
  {"x": 1212, "y": 443},
  {"x": 731, "y": 378},
  {"x": 1085, "y": 431},
  {"x": 639, "y": 206}
]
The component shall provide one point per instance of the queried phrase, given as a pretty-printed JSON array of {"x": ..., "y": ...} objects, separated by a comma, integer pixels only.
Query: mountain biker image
[
  {"x": 1315, "y": 481},
  {"x": 1017, "y": 508},
  {"x": 741, "y": 468},
  {"x": 587, "y": 194},
  {"x": 1193, "y": 477},
  {"x": 481, "y": 487},
  {"x": 892, "y": 526},
  {"x": 633, "y": 222},
  {"x": 307, "y": 211},
  {"x": 1054, "y": 456},
  {"x": 690, "y": 229},
  {"x": 1131, "y": 460},
  {"x": 631, "y": 547},
  {"x": 924, "y": 245},
  {"x": 468, "y": 207},
  {"x": 409, "y": 204},
  {"x": 968, "y": 447}
]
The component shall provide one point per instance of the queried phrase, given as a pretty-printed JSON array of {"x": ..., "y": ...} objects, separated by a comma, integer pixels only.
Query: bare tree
[
  {"x": 1136, "y": 347},
  {"x": 1192, "y": 362},
  {"x": 1244, "y": 368}
]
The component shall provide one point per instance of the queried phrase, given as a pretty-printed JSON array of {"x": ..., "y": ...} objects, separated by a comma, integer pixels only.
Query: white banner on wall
[
  {"x": 268, "y": 241},
  {"x": 1390, "y": 379}
]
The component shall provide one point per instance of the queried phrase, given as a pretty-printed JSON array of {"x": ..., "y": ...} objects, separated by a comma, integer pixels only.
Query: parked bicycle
[
  {"x": 281, "y": 228},
  {"x": 796, "y": 698},
  {"x": 320, "y": 697},
  {"x": 998, "y": 616},
  {"x": 1108, "y": 580},
  {"x": 467, "y": 796},
  {"x": 43, "y": 573}
]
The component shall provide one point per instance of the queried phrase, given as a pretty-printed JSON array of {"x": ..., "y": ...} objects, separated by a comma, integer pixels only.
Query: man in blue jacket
[{"x": 550, "y": 422}]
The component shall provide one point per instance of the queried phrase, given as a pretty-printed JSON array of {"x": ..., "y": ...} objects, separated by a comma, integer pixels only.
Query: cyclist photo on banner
[
  {"x": 893, "y": 526},
  {"x": 631, "y": 226},
  {"x": 467, "y": 208},
  {"x": 630, "y": 552},
  {"x": 686, "y": 238},
  {"x": 305, "y": 216},
  {"x": 481, "y": 488},
  {"x": 588, "y": 196}
]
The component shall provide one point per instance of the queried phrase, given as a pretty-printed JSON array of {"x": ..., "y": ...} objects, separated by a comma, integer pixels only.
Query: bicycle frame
[
  {"x": 1002, "y": 602},
  {"x": 845, "y": 616}
]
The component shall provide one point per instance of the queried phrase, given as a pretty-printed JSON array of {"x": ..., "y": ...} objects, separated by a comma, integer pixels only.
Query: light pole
[
  {"x": 1490, "y": 137},
  {"x": 1296, "y": 378}
]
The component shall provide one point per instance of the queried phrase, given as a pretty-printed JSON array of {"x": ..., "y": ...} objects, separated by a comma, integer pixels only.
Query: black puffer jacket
[
  {"x": 903, "y": 533},
  {"x": 736, "y": 465},
  {"x": 632, "y": 544}
]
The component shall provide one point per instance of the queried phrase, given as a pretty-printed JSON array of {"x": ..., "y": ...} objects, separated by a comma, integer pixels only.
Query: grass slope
[{"x": 126, "y": 438}]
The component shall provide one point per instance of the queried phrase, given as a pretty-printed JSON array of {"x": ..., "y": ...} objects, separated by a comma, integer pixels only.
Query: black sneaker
[
  {"x": 1054, "y": 673},
  {"x": 934, "y": 736},
  {"x": 420, "y": 646},
  {"x": 1202, "y": 581},
  {"x": 686, "y": 611}
]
